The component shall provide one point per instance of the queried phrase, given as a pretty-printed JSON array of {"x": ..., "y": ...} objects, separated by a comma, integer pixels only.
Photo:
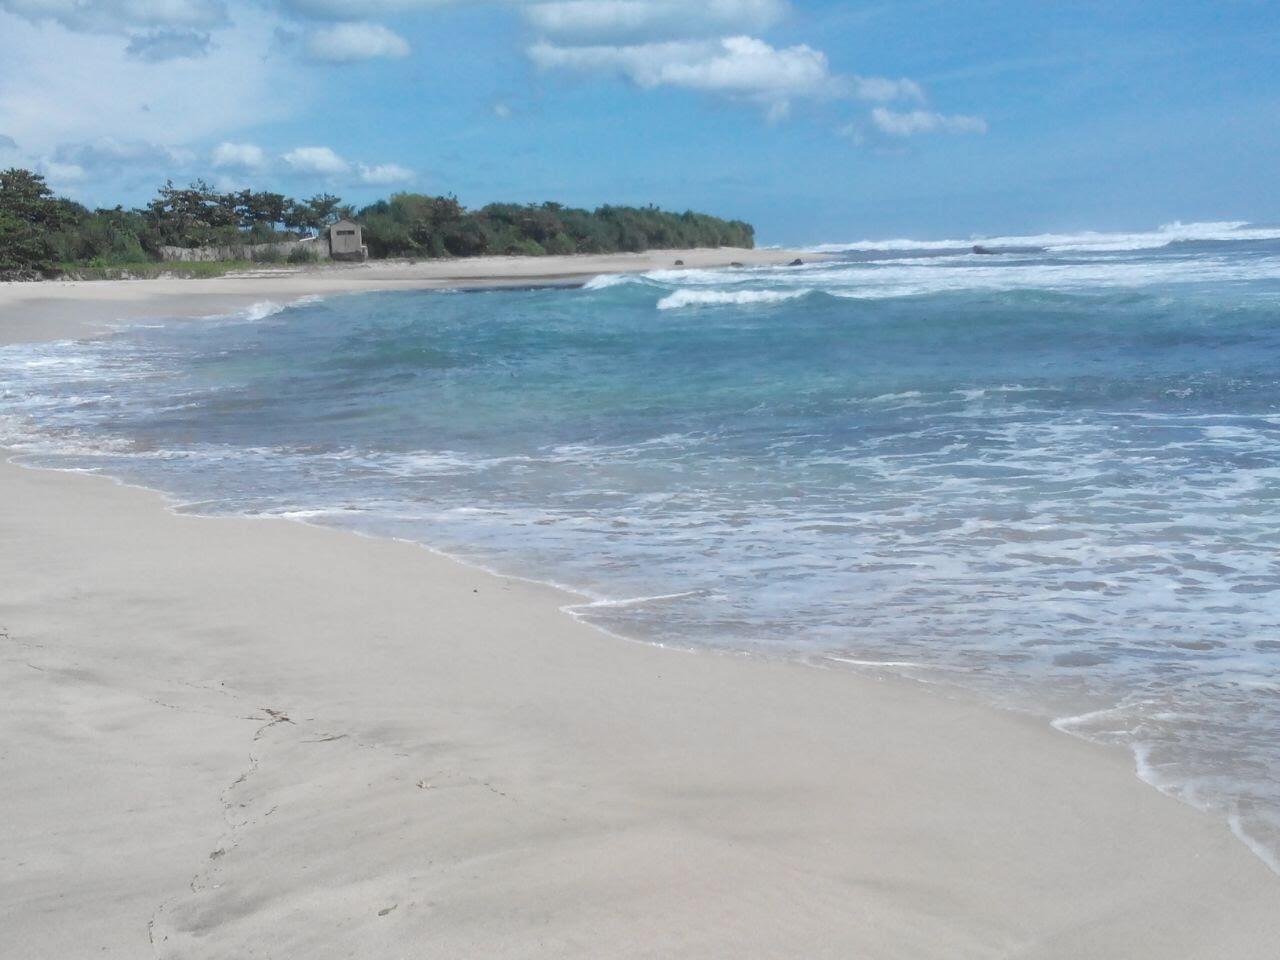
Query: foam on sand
[{"x": 350, "y": 745}]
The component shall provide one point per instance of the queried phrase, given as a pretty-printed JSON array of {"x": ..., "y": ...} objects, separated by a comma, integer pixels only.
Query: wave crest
[
  {"x": 713, "y": 298},
  {"x": 1084, "y": 242}
]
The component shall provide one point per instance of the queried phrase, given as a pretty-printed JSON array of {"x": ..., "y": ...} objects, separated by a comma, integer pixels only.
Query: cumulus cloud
[
  {"x": 708, "y": 47},
  {"x": 238, "y": 156},
  {"x": 740, "y": 67},
  {"x": 349, "y": 42},
  {"x": 310, "y": 161},
  {"x": 910, "y": 123},
  {"x": 712, "y": 46},
  {"x": 324, "y": 161},
  {"x": 160, "y": 45},
  {"x": 316, "y": 160},
  {"x": 384, "y": 174},
  {"x": 148, "y": 55},
  {"x": 597, "y": 22}
]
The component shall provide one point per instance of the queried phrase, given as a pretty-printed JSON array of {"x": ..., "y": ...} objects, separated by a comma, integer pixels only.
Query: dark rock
[
  {"x": 797, "y": 262},
  {"x": 679, "y": 263}
]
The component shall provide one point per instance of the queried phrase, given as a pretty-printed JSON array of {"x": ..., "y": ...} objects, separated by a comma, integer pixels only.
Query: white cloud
[
  {"x": 741, "y": 67},
  {"x": 604, "y": 22},
  {"x": 324, "y": 161},
  {"x": 106, "y": 153},
  {"x": 360, "y": 9},
  {"x": 120, "y": 16},
  {"x": 384, "y": 174},
  {"x": 238, "y": 156},
  {"x": 316, "y": 160},
  {"x": 349, "y": 42},
  {"x": 103, "y": 90},
  {"x": 885, "y": 89},
  {"x": 909, "y": 123},
  {"x": 61, "y": 175},
  {"x": 59, "y": 87}
]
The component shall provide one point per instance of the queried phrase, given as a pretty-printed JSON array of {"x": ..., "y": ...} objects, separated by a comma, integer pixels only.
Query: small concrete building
[{"x": 346, "y": 241}]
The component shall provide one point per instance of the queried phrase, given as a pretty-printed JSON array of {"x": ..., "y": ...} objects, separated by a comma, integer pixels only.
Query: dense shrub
[
  {"x": 39, "y": 231},
  {"x": 413, "y": 225}
]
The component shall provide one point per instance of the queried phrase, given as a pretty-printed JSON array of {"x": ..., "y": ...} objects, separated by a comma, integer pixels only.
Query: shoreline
[
  {"x": 225, "y": 733},
  {"x": 69, "y": 309}
]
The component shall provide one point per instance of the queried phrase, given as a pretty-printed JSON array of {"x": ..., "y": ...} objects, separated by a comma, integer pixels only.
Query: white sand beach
[
  {"x": 59, "y": 309},
  {"x": 256, "y": 738}
]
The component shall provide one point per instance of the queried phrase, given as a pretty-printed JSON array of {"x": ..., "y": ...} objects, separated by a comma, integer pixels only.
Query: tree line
[{"x": 43, "y": 232}]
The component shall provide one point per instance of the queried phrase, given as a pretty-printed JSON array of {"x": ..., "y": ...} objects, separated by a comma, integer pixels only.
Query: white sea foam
[
  {"x": 1069, "y": 532},
  {"x": 633, "y": 601},
  {"x": 606, "y": 280},
  {"x": 703, "y": 277},
  {"x": 714, "y": 298},
  {"x": 260, "y": 310},
  {"x": 1086, "y": 241},
  {"x": 1261, "y": 850},
  {"x": 894, "y": 279},
  {"x": 895, "y": 664}
]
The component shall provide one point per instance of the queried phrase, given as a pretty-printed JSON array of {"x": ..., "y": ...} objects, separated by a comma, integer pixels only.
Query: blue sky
[{"x": 816, "y": 120}]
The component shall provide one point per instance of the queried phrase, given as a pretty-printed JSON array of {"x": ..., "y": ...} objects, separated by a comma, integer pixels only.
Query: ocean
[{"x": 1048, "y": 474}]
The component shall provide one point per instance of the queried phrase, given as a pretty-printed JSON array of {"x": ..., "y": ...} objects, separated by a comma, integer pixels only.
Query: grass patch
[{"x": 150, "y": 270}]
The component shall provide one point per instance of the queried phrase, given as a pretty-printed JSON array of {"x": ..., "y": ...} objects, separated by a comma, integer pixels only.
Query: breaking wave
[
  {"x": 719, "y": 298},
  {"x": 1052, "y": 477},
  {"x": 1084, "y": 242}
]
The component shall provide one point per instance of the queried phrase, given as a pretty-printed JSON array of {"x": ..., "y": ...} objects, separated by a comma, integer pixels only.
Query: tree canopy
[
  {"x": 414, "y": 225},
  {"x": 29, "y": 216},
  {"x": 39, "y": 231}
]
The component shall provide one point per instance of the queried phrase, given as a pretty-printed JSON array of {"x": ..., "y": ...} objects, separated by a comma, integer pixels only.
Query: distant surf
[{"x": 1235, "y": 231}]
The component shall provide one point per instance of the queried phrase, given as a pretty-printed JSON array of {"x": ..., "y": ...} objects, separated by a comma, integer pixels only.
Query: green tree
[
  {"x": 29, "y": 216},
  {"x": 265, "y": 208},
  {"x": 314, "y": 214},
  {"x": 193, "y": 215}
]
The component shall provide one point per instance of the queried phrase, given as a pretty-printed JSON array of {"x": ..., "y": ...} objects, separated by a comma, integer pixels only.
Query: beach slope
[
  {"x": 254, "y": 738},
  {"x": 60, "y": 309}
]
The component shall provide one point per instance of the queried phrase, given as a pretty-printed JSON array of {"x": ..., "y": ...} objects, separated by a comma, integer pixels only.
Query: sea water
[{"x": 1050, "y": 476}]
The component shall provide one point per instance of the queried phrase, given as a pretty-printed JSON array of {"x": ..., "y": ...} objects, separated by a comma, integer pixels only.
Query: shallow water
[{"x": 1054, "y": 477}]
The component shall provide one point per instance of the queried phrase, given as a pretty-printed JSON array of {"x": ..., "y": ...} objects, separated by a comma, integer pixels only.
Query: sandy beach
[
  {"x": 256, "y": 738},
  {"x": 59, "y": 309}
]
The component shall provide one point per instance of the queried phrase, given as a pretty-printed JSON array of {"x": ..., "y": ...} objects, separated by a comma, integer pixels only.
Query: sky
[{"x": 816, "y": 120}]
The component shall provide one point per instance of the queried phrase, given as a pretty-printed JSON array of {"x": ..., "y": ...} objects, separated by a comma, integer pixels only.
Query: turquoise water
[{"x": 1053, "y": 477}]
